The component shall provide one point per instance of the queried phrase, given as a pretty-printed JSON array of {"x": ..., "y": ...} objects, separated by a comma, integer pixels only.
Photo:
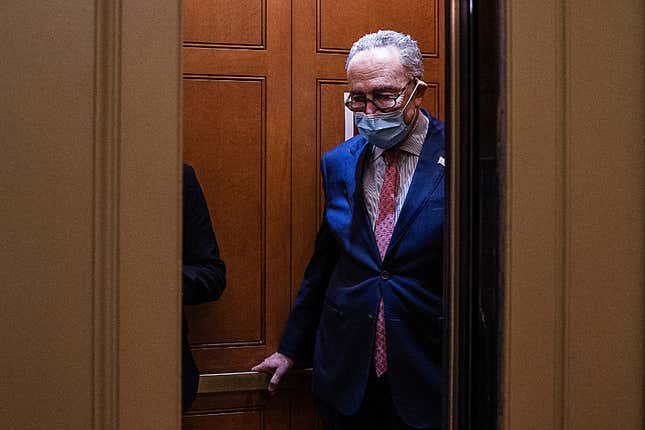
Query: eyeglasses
[{"x": 382, "y": 102}]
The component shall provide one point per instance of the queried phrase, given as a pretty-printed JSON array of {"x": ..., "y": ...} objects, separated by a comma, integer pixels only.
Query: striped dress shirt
[{"x": 408, "y": 159}]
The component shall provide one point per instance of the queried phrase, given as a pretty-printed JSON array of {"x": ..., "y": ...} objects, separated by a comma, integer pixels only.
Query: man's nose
[{"x": 370, "y": 108}]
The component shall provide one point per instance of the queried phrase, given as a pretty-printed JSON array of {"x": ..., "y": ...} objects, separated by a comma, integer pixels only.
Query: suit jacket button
[{"x": 385, "y": 275}]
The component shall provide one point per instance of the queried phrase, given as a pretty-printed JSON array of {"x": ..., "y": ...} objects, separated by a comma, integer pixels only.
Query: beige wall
[
  {"x": 574, "y": 215},
  {"x": 46, "y": 214},
  {"x": 90, "y": 186}
]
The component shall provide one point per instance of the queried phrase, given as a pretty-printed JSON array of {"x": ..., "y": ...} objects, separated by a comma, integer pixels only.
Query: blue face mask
[{"x": 384, "y": 129}]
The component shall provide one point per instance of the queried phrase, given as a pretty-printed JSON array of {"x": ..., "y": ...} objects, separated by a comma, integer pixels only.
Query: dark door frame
[{"x": 475, "y": 114}]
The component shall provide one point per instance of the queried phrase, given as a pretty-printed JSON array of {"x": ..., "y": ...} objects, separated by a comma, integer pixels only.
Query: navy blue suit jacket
[
  {"x": 335, "y": 311},
  {"x": 203, "y": 272}
]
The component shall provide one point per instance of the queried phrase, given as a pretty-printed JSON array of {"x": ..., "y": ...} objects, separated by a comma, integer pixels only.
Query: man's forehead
[
  {"x": 377, "y": 57},
  {"x": 376, "y": 68}
]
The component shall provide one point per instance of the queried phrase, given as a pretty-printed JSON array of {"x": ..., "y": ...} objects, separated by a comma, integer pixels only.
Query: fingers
[
  {"x": 277, "y": 377},
  {"x": 268, "y": 368},
  {"x": 268, "y": 365},
  {"x": 276, "y": 365},
  {"x": 263, "y": 367}
]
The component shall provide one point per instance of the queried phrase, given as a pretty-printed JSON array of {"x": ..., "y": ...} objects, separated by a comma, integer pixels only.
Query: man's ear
[{"x": 418, "y": 95}]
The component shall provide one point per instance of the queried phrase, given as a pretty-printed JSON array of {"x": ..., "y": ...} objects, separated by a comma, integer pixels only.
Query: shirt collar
[{"x": 414, "y": 143}]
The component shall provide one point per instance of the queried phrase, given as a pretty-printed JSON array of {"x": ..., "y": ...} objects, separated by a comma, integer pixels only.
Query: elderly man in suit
[{"x": 371, "y": 298}]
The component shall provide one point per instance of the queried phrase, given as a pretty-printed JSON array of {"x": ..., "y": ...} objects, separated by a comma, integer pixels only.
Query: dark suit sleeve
[
  {"x": 299, "y": 334},
  {"x": 300, "y": 331},
  {"x": 203, "y": 271}
]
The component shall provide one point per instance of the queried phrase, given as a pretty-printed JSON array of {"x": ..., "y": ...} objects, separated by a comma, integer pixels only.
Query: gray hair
[{"x": 410, "y": 55}]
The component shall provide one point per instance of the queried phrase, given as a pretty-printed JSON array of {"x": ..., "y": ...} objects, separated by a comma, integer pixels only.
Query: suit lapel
[
  {"x": 426, "y": 176},
  {"x": 354, "y": 171},
  {"x": 361, "y": 222}
]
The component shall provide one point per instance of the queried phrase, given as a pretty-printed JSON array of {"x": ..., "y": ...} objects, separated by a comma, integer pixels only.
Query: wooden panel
[
  {"x": 229, "y": 161},
  {"x": 242, "y": 420},
  {"x": 330, "y": 113},
  {"x": 330, "y": 130},
  {"x": 232, "y": 411},
  {"x": 431, "y": 100},
  {"x": 340, "y": 23},
  {"x": 221, "y": 23},
  {"x": 237, "y": 134},
  {"x": 209, "y": 402}
]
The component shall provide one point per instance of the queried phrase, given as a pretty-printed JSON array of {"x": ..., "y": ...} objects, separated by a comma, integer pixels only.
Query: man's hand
[{"x": 277, "y": 365}]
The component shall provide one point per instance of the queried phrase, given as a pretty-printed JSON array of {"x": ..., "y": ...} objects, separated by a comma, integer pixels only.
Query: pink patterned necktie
[{"x": 383, "y": 232}]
